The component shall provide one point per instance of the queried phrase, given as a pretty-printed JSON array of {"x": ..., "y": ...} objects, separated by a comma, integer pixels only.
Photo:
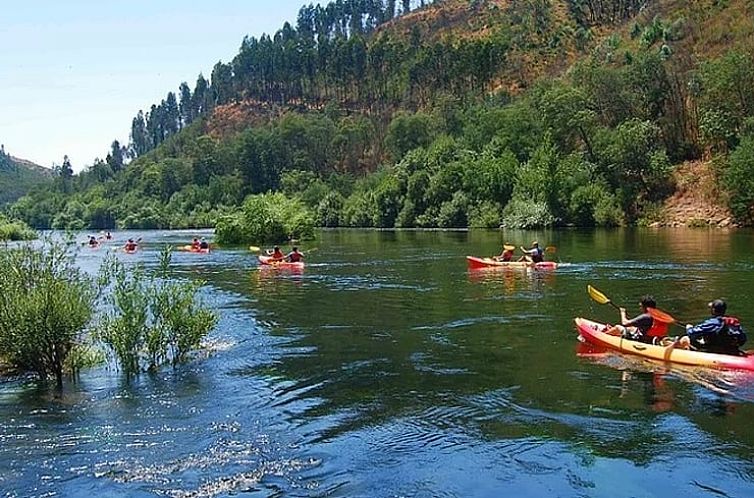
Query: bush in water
[
  {"x": 45, "y": 304},
  {"x": 15, "y": 230},
  {"x": 266, "y": 218},
  {"x": 152, "y": 320}
]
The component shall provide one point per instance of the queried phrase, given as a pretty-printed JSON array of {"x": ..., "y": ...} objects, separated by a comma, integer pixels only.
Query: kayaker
[
  {"x": 195, "y": 244},
  {"x": 108, "y": 236},
  {"x": 637, "y": 328},
  {"x": 131, "y": 245},
  {"x": 276, "y": 254},
  {"x": 93, "y": 241},
  {"x": 507, "y": 254},
  {"x": 718, "y": 334},
  {"x": 294, "y": 256},
  {"x": 533, "y": 255},
  {"x": 203, "y": 244}
]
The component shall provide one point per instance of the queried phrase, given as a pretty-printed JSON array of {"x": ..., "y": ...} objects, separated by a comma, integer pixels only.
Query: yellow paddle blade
[
  {"x": 509, "y": 247},
  {"x": 551, "y": 249},
  {"x": 597, "y": 295},
  {"x": 254, "y": 249}
]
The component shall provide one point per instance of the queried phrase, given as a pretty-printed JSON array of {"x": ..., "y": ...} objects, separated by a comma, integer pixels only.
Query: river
[{"x": 386, "y": 368}]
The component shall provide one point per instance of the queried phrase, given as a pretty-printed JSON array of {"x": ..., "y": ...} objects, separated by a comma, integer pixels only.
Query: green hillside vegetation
[
  {"x": 476, "y": 113},
  {"x": 17, "y": 177}
]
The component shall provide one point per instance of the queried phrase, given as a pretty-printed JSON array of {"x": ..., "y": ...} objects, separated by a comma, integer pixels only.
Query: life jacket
[
  {"x": 732, "y": 331},
  {"x": 294, "y": 257},
  {"x": 660, "y": 323}
]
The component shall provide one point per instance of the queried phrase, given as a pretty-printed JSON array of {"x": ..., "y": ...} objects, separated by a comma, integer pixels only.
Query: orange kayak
[
  {"x": 268, "y": 261},
  {"x": 593, "y": 333},
  {"x": 477, "y": 263},
  {"x": 190, "y": 248}
]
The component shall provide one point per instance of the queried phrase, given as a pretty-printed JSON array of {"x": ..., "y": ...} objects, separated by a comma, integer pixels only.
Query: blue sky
[{"x": 73, "y": 73}]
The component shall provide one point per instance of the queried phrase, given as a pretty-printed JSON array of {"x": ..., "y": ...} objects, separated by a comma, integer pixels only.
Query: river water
[{"x": 386, "y": 368}]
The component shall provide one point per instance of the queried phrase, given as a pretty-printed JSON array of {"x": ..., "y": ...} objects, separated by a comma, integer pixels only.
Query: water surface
[{"x": 386, "y": 368}]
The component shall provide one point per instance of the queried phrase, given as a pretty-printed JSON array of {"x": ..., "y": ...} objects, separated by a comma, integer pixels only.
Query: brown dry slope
[{"x": 698, "y": 200}]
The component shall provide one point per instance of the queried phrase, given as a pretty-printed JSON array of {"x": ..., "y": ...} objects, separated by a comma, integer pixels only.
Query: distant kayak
[
  {"x": 197, "y": 250},
  {"x": 475, "y": 263},
  {"x": 592, "y": 332},
  {"x": 269, "y": 262}
]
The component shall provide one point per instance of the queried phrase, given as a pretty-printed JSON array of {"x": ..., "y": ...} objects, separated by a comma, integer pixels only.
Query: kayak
[
  {"x": 476, "y": 263},
  {"x": 130, "y": 251},
  {"x": 593, "y": 333},
  {"x": 189, "y": 248},
  {"x": 269, "y": 262}
]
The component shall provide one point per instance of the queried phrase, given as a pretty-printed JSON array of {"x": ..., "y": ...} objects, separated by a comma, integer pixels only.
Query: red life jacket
[{"x": 660, "y": 323}]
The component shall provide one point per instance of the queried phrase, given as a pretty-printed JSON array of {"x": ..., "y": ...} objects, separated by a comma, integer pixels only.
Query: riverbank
[{"x": 698, "y": 200}]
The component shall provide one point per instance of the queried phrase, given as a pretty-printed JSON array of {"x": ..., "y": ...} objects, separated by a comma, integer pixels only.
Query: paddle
[
  {"x": 601, "y": 298},
  {"x": 254, "y": 248}
]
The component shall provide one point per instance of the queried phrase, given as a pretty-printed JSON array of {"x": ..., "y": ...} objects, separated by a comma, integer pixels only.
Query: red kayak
[
  {"x": 269, "y": 262},
  {"x": 593, "y": 333},
  {"x": 477, "y": 263}
]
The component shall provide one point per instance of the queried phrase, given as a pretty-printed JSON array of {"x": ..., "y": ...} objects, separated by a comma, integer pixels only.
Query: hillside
[
  {"x": 457, "y": 113},
  {"x": 18, "y": 176}
]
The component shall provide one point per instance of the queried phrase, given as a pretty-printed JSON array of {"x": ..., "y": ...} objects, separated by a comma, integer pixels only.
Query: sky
[{"x": 74, "y": 73}]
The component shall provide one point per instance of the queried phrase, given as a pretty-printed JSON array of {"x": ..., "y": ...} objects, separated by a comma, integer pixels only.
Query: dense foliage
[
  {"x": 366, "y": 120},
  {"x": 266, "y": 218},
  {"x": 15, "y": 230},
  {"x": 46, "y": 302}
]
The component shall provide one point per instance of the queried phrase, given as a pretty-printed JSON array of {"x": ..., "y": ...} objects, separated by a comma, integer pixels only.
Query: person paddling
[
  {"x": 93, "y": 241},
  {"x": 718, "y": 334},
  {"x": 131, "y": 246},
  {"x": 507, "y": 254},
  {"x": 533, "y": 255},
  {"x": 203, "y": 244},
  {"x": 276, "y": 254},
  {"x": 294, "y": 256},
  {"x": 637, "y": 328},
  {"x": 195, "y": 244}
]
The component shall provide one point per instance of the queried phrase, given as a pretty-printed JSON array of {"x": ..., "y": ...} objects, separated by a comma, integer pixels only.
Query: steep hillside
[
  {"x": 454, "y": 113},
  {"x": 18, "y": 176}
]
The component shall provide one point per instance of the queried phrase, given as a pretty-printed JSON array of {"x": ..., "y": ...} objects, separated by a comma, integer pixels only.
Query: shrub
[
  {"x": 270, "y": 218},
  {"x": 739, "y": 178},
  {"x": 524, "y": 214},
  {"x": 485, "y": 215},
  {"x": 15, "y": 230},
  {"x": 453, "y": 212},
  {"x": 46, "y": 302},
  {"x": 329, "y": 209},
  {"x": 152, "y": 320}
]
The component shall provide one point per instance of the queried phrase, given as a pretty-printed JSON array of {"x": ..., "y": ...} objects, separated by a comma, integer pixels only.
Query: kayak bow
[{"x": 593, "y": 333}]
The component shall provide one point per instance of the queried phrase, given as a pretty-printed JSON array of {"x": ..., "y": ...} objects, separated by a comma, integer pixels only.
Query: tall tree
[
  {"x": 185, "y": 107},
  {"x": 172, "y": 115},
  {"x": 199, "y": 100},
  {"x": 115, "y": 157},
  {"x": 140, "y": 143}
]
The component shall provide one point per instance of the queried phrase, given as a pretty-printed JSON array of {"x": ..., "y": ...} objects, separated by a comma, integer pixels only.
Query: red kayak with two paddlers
[{"x": 475, "y": 262}]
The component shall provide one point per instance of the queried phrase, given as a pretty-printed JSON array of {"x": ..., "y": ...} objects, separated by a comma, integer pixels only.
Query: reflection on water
[{"x": 387, "y": 368}]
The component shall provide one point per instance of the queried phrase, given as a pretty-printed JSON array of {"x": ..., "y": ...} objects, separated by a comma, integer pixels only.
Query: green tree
[{"x": 46, "y": 302}]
